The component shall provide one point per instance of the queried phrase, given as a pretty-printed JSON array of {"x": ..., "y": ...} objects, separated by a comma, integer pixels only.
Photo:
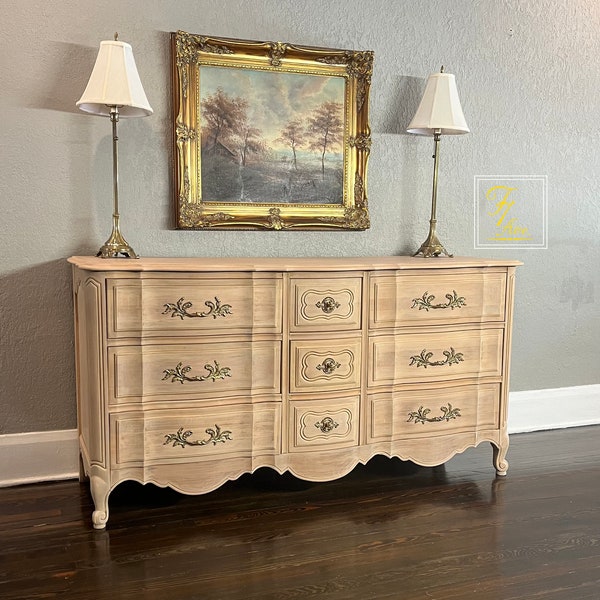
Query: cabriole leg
[
  {"x": 100, "y": 490},
  {"x": 499, "y": 458}
]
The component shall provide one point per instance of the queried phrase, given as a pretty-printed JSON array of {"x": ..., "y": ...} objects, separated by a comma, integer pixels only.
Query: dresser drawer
[
  {"x": 195, "y": 435},
  {"x": 325, "y": 365},
  {"x": 192, "y": 306},
  {"x": 324, "y": 423},
  {"x": 427, "y": 297},
  {"x": 324, "y": 304},
  {"x": 433, "y": 412},
  {"x": 154, "y": 373},
  {"x": 423, "y": 357}
]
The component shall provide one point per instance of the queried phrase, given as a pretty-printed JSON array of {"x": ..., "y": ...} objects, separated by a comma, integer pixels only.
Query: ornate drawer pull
[
  {"x": 179, "y": 309},
  {"x": 425, "y": 302},
  {"x": 326, "y": 425},
  {"x": 328, "y": 304},
  {"x": 420, "y": 416},
  {"x": 181, "y": 437},
  {"x": 328, "y": 366},
  {"x": 214, "y": 373},
  {"x": 422, "y": 360}
]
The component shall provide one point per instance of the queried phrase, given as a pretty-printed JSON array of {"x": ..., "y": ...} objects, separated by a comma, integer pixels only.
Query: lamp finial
[
  {"x": 117, "y": 39},
  {"x": 442, "y": 69}
]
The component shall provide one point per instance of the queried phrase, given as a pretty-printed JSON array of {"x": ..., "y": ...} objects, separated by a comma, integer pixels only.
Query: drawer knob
[
  {"x": 420, "y": 416},
  {"x": 326, "y": 425},
  {"x": 180, "y": 309},
  {"x": 216, "y": 435},
  {"x": 328, "y": 366},
  {"x": 423, "y": 359},
  {"x": 328, "y": 304},
  {"x": 425, "y": 302},
  {"x": 179, "y": 373}
]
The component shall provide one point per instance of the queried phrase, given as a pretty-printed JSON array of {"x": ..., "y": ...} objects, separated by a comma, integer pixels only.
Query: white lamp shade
[
  {"x": 439, "y": 109},
  {"x": 115, "y": 82}
]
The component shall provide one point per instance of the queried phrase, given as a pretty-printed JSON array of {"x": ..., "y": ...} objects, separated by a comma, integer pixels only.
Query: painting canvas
[{"x": 269, "y": 135}]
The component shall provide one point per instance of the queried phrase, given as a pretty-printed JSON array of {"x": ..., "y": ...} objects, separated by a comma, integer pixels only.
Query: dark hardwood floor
[{"x": 387, "y": 530}]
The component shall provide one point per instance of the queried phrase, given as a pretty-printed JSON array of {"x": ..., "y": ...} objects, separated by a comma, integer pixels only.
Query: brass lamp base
[
  {"x": 432, "y": 247},
  {"x": 116, "y": 246}
]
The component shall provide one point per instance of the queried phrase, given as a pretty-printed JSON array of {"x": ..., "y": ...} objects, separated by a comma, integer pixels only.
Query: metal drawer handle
[
  {"x": 425, "y": 302},
  {"x": 180, "y": 438},
  {"x": 326, "y": 425},
  {"x": 180, "y": 309},
  {"x": 179, "y": 373},
  {"x": 328, "y": 366},
  {"x": 422, "y": 360},
  {"x": 328, "y": 304},
  {"x": 420, "y": 416}
]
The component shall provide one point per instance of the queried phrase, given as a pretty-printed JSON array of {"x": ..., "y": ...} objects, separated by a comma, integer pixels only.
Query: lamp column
[
  {"x": 116, "y": 245},
  {"x": 432, "y": 245}
]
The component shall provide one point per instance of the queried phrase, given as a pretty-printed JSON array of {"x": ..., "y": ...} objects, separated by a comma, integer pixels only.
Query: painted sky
[{"x": 274, "y": 98}]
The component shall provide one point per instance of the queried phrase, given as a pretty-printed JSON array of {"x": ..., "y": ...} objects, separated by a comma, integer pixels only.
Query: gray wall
[{"x": 528, "y": 75}]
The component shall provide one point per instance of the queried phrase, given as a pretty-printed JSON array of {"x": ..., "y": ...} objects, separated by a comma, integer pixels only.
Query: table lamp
[
  {"x": 115, "y": 90},
  {"x": 439, "y": 113}
]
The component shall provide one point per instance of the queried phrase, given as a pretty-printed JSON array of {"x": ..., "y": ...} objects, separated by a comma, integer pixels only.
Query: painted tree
[
  {"x": 292, "y": 135},
  {"x": 223, "y": 116},
  {"x": 226, "y": 122},
  {"x": 250, "y": 142},
  {"x": 325, "y": 129}
]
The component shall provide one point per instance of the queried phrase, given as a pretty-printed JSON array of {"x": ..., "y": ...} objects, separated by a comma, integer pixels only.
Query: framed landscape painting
[{"x": 269, "y": 135}]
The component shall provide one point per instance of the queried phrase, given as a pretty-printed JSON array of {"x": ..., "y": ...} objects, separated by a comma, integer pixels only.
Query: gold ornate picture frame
[{"x": 269, "y": 135}]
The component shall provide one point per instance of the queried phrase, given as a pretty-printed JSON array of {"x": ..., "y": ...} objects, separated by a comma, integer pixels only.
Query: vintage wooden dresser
[{"x": 191, "y": 372}]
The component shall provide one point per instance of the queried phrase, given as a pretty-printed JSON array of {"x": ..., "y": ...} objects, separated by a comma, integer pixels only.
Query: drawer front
[
  {"x": 316, "y": 424},
  {"x": 326, "y": 304},
  {"x": 195, "y": 435},
  {"x": 423, "y": 357},
  {"x": 435, "y": 298},
  {"x": 188, "y": 371},
  {"x": 187, "y": 307},
  {"x": 432, "y": 412},
  {"x": 325, "y": 365}
]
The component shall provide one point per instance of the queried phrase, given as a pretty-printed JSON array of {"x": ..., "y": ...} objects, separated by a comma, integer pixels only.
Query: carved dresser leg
[
  {"x": 500, "y": 462},
  {"x": 100, "y": 491}
]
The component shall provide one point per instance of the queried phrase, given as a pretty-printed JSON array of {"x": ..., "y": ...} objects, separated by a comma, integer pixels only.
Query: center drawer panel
[
  {"x": 155, "y": 373},
  {"x": 439, "y": 356},
  {"x": 160, "y": 436},
  {"x": 325, "y": 303},
  {"x": 315, "y": 424},
  {"x": 187, "y": 307},
  {"x": 325, "y": 365}
]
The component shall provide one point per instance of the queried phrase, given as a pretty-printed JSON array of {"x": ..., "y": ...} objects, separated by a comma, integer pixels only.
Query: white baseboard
[
  {"x": 559, "y": 408},
  {"x": 38, "y": 456},
  {"x": 54, "y": 455}
]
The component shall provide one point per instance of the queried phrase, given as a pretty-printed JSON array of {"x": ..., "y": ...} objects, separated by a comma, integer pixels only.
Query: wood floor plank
[{"x": 387, "y": 530}]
